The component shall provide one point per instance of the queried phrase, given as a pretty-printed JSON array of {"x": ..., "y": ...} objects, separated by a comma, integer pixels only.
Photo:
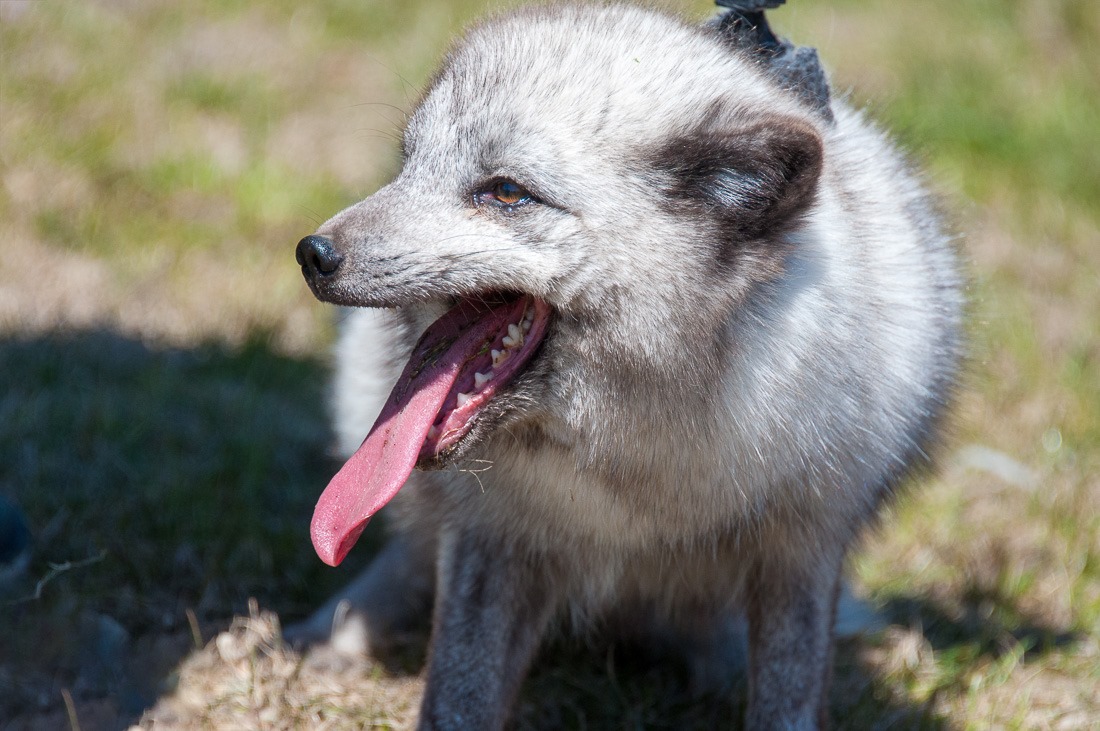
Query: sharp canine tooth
[
  {"x": 463, "y": 399},
  {"x": 480, "y": 379}
]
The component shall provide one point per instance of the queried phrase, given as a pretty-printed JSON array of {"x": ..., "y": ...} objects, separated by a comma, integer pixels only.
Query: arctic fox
[{"x": 663, "y": 327}]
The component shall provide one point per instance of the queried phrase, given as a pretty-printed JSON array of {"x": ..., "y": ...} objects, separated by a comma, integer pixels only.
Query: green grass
[{"x": 162, "y": 416}]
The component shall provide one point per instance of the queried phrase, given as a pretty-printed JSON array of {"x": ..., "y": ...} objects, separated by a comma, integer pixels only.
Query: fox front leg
[
  {"x": 492, "y": 609},
  {"x": 792, "y": 605}
]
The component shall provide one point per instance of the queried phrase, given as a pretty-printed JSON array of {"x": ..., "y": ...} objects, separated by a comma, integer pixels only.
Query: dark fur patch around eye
[{"x": 755, "y": 181}]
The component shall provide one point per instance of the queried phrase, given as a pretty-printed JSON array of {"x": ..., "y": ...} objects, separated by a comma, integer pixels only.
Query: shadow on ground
[
  {"x": 169, "y": 485},
  {"x": 624, "y": 688},
  {"x": 164, "y": 487},
  {"x": 983, "y": 625}
]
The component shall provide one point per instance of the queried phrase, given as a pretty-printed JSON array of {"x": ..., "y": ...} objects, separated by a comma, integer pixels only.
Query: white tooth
[
  {"x": 508, "y": 341},
  {"x": 525, "y": 325},
  {"x": 514, "y": 332},
  {"x": 480, "y": 379},
  {"x": 463, "y": 399},
  {"x": 499, "y": 356}
]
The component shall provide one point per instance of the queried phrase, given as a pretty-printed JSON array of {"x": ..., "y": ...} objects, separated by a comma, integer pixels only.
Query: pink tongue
[{"x": 388, "y": 455}]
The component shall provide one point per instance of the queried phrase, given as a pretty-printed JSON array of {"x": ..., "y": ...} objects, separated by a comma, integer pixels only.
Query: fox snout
[
  {"x": 330, "y": 274},
  {"x": 318, "y": 258}
]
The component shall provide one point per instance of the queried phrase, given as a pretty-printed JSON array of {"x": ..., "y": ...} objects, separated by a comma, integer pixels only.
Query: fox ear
[{"x": 756, "y": 180}]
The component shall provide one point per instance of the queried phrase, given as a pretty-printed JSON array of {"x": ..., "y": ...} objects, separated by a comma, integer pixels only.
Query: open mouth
[{"x": 461, "y": 362}]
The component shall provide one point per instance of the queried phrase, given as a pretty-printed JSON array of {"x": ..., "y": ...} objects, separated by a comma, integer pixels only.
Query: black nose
[{"x": 317, "y": 256}]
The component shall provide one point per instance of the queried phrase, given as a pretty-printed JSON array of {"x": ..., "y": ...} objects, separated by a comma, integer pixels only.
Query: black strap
[
  {"x": 750, "y": 5},
  {"x": 796, "y": 67}
]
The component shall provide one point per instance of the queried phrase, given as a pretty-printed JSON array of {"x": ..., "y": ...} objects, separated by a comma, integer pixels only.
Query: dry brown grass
[{"x": 246, "y": 676}]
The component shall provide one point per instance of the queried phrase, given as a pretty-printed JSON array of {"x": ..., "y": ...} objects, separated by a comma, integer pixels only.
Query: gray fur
[{"x": 757, "y": 328}]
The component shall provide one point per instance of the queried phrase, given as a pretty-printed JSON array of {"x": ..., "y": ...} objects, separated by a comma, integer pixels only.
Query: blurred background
[{"x": 163, "y": 432}]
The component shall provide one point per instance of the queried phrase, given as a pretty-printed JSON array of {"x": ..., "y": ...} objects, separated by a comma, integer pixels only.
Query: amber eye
[{"x": 509, "y": 193}]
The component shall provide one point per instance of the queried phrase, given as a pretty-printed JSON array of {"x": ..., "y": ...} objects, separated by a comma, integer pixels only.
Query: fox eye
[
  {"x": 510, "y": 193},
  {"x": 505, "y": 192}
]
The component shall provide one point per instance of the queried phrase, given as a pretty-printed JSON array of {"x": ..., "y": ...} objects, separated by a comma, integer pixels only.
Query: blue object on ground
[{"x": 15, "y": 542}]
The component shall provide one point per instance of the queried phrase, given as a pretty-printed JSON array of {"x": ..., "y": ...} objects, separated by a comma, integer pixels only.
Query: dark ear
[{"x": 755, "y": 180}]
